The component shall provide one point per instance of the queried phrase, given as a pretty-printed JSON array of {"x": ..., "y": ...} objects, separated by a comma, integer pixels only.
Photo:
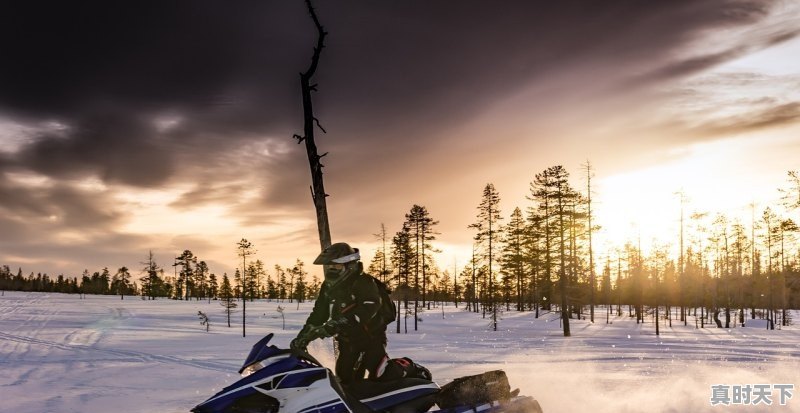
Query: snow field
[{"x": 59, "y": 353}]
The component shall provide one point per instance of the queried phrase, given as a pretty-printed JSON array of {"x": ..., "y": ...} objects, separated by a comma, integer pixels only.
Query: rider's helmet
[{"x": 340, "y": 261}]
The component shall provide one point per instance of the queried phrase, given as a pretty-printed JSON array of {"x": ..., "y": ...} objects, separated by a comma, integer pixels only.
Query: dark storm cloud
[
  {"x": 103, "y": 250},
  {"x": 390, "y": 69},
  {"x": 773, "y": 116},
  {"x": 274, "y": 169},
  {"x": 427, "y": 65},
  {"x": 116, "y": 147},
  {"x": 152, "y": 93},
  {"x": 146, "y": 55},
  {"x": 60, "y": 206},
  {"x": 696, "y": 64},
  {"x": 13, "y": 231},
  {"x": 721, "y": 105},
  {"x": 34, "y": 220},
  {"x": 204, "y": 193}
]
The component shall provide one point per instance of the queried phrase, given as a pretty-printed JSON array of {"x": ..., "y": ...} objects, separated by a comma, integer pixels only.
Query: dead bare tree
[{"x": 318, "y": 194}]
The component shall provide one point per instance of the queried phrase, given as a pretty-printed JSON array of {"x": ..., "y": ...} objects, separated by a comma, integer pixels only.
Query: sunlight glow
[
  {"x": 72, "y": 237},
  {"x": 166, "y": 123},
  {"x": 644, "y": 205},
  {"x": 92, "y": 184},
  {"x": 29, "y": 179},
  {"x": 212, "y": 219}
]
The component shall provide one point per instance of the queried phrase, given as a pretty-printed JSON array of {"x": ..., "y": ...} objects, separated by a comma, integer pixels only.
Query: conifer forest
[{"x": 719, "y": 271}]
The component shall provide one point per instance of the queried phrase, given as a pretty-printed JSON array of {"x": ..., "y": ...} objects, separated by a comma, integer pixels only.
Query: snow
[{"x": 59, "y": 353}]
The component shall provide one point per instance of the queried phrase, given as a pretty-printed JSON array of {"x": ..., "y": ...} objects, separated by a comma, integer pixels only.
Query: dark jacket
[{"x": 357, "y": 299}]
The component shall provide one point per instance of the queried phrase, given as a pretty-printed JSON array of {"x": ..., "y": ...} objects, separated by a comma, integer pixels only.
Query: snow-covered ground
[{"x": 59, "y": 353}]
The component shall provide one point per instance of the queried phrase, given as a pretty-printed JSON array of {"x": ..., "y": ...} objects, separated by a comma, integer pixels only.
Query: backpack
[{"x": 388, "y": 311}]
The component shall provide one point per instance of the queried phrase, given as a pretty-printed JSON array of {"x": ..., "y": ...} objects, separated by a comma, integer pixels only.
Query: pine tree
[
  {"x": 381, "y": 261},
  {"x": 278, "y": 288},
  {"x": 791, "y": 195},
  {"x": 770, "y": 221},
  {"x": 237, "y": 284},
  {"x": 122, "y": 282},
  {"x": 299, "y": 275},
  {"x": 420, "y": 227},
  {"x": 227, "y": 297},
  {"x": 152, "y": 284},
  {"x": 187, "y": 261},
  {"x": 379, "y": 266},
  {"x": 785, "y": 231},
  {"x": 103, "y": 282},
  {"x": 272, "y": 285},
  {"x": 488, "y": 233},
  {"x": 589, "y": 217},
  {"x": 257, "y": 273},
  {"x": 543, "y": 232},
  {"x": 402, "y": 257},
  {"x": 252, "y": 280},
  {"x": 201, "y": 279},
  {"x": 512, "y": 263},
  {"x": 245, "y": 249},
  {"x": 739, "y": 247},
  {"x": 556, "y": 197},
  {"x": 213, "y": 287}
]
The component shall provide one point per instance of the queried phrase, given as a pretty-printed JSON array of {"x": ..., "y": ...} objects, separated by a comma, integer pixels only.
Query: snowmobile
[{"x": 276, "y": 380}]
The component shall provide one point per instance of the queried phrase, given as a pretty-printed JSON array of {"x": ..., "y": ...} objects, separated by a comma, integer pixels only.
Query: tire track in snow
[
  {"x": 34, "y": 322},
  {"x": 92, "y": 333},
  {"x": 123, "y": 354},
  {"x": 23, "y": 377}
]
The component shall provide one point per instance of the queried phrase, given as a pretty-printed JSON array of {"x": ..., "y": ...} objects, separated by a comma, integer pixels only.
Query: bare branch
[
  {"x": 299, "y": 138},
  {"x": 320, "y": 42},
  {"x": 320, "y": 127}
]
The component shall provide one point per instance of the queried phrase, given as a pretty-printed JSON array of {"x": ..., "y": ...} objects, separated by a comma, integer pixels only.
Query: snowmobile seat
[{"x": 413, "y": 394}]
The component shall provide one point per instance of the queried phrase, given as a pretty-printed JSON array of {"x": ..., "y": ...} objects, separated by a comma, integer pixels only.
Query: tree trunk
[{"x": 317, "y": 187}]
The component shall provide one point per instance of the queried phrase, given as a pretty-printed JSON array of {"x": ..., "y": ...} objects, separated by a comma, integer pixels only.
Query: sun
[
  {"x": 644, "y": 206},
  {"x": 640, "y": 207}
]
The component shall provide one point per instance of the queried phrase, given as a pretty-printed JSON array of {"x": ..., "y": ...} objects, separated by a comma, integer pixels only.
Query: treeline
[
  {"x": 99, "y": 282},
  {"x": 538, "y": 258},
  {"x": 191, "y": 279},
  {"x": 543, "y": 259}
]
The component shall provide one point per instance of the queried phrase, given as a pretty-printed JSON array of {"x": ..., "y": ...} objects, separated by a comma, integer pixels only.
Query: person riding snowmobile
[{"x": 349, "y": 309}]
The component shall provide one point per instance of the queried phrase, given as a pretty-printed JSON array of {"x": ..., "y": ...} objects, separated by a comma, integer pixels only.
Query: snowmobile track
[{"x": 123, "y": 354}]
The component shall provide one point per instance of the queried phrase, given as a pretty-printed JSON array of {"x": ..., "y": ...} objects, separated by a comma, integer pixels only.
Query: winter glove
[
  {"x": 300, "y": 343},
  {"x": 335, "y": 326},
  {"x": 317, "y": 332}
]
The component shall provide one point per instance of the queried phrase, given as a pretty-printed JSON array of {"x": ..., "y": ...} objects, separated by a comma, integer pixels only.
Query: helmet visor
[{"x": 347, "y": 258}]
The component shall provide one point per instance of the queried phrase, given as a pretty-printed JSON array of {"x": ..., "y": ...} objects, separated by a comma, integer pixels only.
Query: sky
[{"x": 146, "y": 126}]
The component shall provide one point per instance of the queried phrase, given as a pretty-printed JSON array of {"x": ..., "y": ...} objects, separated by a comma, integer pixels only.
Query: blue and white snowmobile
[{"x": 276, "y": 380}]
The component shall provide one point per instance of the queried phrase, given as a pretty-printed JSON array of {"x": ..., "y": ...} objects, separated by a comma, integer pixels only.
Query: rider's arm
[
  {"x": 366, "y": 303},
  {"x": 321, "y": 312}
]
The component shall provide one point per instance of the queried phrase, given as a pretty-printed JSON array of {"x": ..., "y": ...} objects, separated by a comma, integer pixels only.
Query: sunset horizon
[{"x": 167, "y": 131}]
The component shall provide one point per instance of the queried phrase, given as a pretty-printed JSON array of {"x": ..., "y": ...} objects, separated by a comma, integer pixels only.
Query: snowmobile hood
[{"x": 259, "y": 352}]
